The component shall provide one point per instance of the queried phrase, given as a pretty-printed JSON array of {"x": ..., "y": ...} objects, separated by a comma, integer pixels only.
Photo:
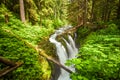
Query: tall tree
[
  {"x": 118, "y": 10},
  {"x": 22, "y": 12},
  {"x": 85, "y": 13},
  {"x": 78, "y": 11},
  {"x": 92, "y": 11}
]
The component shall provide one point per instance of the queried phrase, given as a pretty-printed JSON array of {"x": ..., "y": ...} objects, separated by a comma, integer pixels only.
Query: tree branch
[
  {"x": 7, "y": 62},
  {"x": 73, "y": 29},
  {"x": 9, "y": 69}
]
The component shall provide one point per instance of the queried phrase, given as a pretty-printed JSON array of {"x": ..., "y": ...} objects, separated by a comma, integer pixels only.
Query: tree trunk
[
  {"x": 106, "y": 9},
  {"x": 118, "y": 11},
  {"x": 92, "y": 11},
  {"x": 6, "y": 18},
  {"x": 85, "y": 13},
  {"x": 109, "y": 13},
  {"x": 22, "y": 12}
]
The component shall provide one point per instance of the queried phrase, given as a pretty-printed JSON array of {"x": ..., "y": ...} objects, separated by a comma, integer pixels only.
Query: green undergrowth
[
  {"x": 99, "y": 56},
  {"x": 82, "y": 33},
  {"x": 32, "y": 34},
  {"x": 16, "y": 50}
]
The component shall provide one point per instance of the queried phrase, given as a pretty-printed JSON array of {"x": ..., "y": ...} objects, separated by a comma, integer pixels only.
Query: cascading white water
[
  {"x": 70, "y": 50},
  {"x": 62, "y": 53},
  {"x": 72, "y": 43}
]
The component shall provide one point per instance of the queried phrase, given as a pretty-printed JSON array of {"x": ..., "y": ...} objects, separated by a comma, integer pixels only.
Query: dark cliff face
[{"x": 55, "y": 72}]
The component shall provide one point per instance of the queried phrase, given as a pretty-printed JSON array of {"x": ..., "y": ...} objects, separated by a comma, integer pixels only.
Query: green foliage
[
  {"x": 47, "y": 23},
  {"x": 53, "y": 24},
  {"x": 15, "y": 50},
  {"x": 99, "y": 56},
  {"x": 32, "y": 34},
  {"x": 111, "y": 30},
  {"x": 57, "y": 23},
  {"x": 3, "y": 11},
  {"x": 82, "y": 33},
  {"x": 33, "y": 16},
  {"x": 117, "y": 22},
  {"x": 31, "y": 11}
]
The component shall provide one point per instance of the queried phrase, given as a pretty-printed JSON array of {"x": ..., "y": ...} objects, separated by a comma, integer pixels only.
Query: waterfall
[
  {"x": 64, "y": 54},
  {"x": 70, "y": 49},
  {"x": 72, "y": 43}
]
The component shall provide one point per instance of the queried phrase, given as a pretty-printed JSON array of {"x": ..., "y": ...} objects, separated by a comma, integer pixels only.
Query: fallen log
[
  {"x": 9, "y": 69},
  {"x": 73, "y": 29},
  {"x": 54, "y": 61},
  {"x": 6, "y": 61},
  {"x": 40, "y": 52}
]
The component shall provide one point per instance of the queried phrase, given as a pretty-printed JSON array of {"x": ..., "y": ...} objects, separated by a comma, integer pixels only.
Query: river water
[{"x": 63, "y": 53}]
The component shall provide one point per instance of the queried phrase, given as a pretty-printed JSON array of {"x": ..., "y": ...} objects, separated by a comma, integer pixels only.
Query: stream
[{"x": 63, "y": 53}]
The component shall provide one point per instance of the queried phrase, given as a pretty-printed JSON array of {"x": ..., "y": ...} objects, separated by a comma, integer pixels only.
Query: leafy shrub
[
  {"x": 3, "y": 11},
  {"x": 110, "y": 30},
  {"x": 57, "y": 23},
  {"x": 99, "y": 56},
  {"x": 117, "y": 22},
  {"x": 47, "y": 23},
  {"x": 32, "y": 34},
  {"x": 83, "y": 31},
  {"x": 33, "y": 16}
]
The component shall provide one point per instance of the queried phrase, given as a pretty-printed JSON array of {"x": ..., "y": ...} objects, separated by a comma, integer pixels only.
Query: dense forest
[{"x": 26, "y": 26}]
